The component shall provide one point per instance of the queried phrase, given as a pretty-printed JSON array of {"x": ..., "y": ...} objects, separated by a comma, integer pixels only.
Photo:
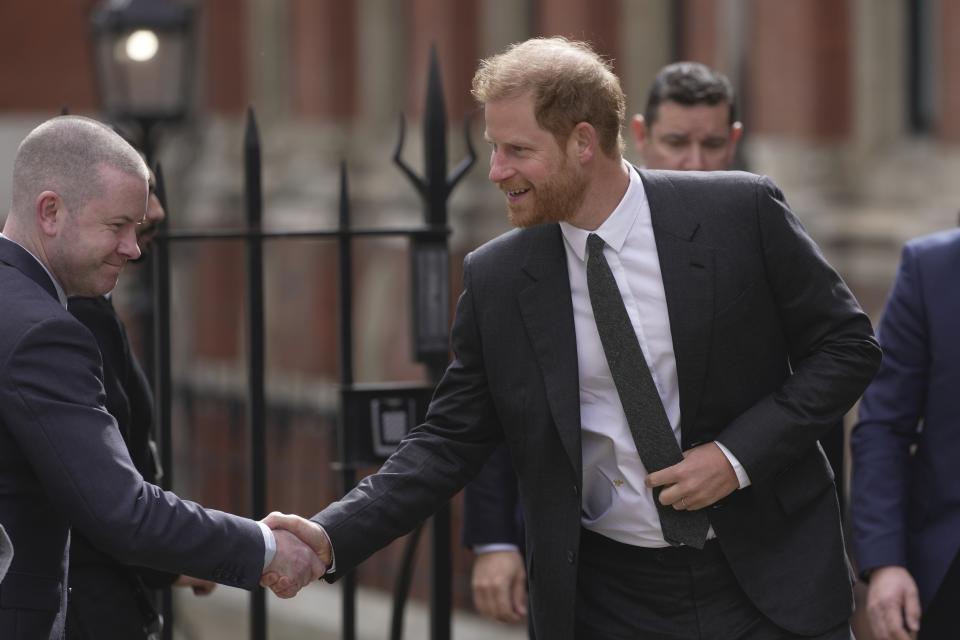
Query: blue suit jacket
[
  {"x": 63, "y": 463},
  {"x": 906, "y": 484}
]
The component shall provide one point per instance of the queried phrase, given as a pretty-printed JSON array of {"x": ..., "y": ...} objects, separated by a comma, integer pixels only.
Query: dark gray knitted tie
[{"x": 646, "y": 417}]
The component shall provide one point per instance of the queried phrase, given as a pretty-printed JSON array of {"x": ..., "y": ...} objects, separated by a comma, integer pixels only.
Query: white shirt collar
[
  {"x": 61, "y": 296},
  {"x": 618, "y": 224}
]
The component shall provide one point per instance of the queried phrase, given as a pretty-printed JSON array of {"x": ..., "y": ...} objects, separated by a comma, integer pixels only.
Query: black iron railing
[{"x": 362, "y": 439}]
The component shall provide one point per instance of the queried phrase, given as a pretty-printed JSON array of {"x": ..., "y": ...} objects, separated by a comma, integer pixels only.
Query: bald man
[{"x": 79, "y": 193}]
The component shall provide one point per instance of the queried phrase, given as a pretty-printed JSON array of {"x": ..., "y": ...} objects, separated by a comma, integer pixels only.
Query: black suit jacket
[
  {"x": 491, "y": 504},
  {"x": 63, "y": 463},
  {"x": 771, "y": 348}
]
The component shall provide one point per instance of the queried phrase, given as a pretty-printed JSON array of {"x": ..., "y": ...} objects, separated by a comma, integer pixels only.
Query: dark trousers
[
  {"x": 677, "y": 593},
  {"x": 939, "y": 619}
]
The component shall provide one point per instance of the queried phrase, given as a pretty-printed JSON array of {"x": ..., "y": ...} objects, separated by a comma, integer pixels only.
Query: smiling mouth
[{"x": 516, "y": 193}]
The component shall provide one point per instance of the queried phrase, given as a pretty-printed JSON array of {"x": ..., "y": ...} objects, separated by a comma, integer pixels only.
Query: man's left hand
[
  {"x": 703, "y": 477},
  {"x": 199, "y": 587}
]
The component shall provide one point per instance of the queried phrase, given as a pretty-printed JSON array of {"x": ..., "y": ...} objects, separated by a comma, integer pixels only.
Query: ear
[
  {"x": 50, "y": 212},
  {"x": 640, "y": 132},
  {"x": 583, "y": 142},
  {"x": 736, "y": 132}
]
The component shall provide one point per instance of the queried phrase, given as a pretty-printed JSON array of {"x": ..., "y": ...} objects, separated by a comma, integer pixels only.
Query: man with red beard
[
  {"x": 660, "y": 352},
  {"x": 689, "y": 124}
]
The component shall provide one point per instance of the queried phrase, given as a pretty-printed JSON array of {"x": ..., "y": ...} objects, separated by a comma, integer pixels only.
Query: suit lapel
[
  {"x": 687, "y": 268},
  {"x": 20, "y": 259},
  {"x": 547, "y": 313}
]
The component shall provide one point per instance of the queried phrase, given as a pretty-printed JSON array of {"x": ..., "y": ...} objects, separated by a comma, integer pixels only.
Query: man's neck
[
  {"x": 607, "y": 185},
  {"x": 10, "y": 232},
  {"x": 15, "y": 233}
]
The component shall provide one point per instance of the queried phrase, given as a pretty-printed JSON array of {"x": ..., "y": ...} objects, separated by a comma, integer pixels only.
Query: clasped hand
[
  {"x": 303, "y": 554},
  {"x": 701, "y": 479}
]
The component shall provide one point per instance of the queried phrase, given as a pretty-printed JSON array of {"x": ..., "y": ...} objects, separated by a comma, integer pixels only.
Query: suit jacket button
[
  {"x": 576, "y": 490},
  {"x": 571, "y": 556}
]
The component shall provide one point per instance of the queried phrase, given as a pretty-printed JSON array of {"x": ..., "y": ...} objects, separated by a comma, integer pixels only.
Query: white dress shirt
[{"x": 616, "y": 503}]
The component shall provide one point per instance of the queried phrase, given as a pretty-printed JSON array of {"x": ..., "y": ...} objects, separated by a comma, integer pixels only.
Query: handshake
[{"x": 303, "y": 554}]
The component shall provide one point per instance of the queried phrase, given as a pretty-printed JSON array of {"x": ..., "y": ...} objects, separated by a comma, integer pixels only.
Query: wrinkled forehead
[{"x": 675, "y": 116}]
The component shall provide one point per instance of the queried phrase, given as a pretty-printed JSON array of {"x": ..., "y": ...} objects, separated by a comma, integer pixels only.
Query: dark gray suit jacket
[
  {"x": 771, "y": 347},
  {"x": 63, "y": 463}
]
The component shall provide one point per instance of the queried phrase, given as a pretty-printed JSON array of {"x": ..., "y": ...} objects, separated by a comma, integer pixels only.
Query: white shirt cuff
[
  {"x": 742, "y": 476},
  {"x": 269, "y": 545},
  {"x": 333, "y": 556},
  {"x": 495, "y": 546}
]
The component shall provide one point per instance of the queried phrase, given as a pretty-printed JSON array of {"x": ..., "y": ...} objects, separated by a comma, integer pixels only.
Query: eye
[{"x": 119, "y": 226}]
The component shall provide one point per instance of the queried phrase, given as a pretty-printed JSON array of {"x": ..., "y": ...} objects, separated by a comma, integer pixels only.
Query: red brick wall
[
  {"x": 223, "y": 40},
  {"x": 798, "y": 69},
  {"x": 45, "y": 56},
  {"x": 699, "y": 31},
  {"x": 596, "y": 21},
  {"x": 324, "y": 58},
  {"x": 452, "y": 27},
  {"x": 950, "y": 71}
]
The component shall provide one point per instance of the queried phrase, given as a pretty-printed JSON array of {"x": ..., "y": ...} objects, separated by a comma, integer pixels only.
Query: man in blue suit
[
  {"x": 79, "y": 192},
  {"x": 906, "y": 445}
]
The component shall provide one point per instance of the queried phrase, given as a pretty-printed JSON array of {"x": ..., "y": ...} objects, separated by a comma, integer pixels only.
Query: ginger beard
[{"x": 555, "y": 200}]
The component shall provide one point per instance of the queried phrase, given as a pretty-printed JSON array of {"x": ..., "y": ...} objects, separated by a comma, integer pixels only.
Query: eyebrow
[
  {"x": 126, "y": 218},
  {"x": 517, "y": 142}
]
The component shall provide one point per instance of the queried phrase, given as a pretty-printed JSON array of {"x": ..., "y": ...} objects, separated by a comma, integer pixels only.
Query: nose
[
  {"x": 500, "y": 169},
  {"x": 695, "y": 159},
  {"x": 129, "y": 248}
]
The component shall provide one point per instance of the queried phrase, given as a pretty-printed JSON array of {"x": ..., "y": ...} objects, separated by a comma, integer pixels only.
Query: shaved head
[{"x": 65, "y": 155}]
